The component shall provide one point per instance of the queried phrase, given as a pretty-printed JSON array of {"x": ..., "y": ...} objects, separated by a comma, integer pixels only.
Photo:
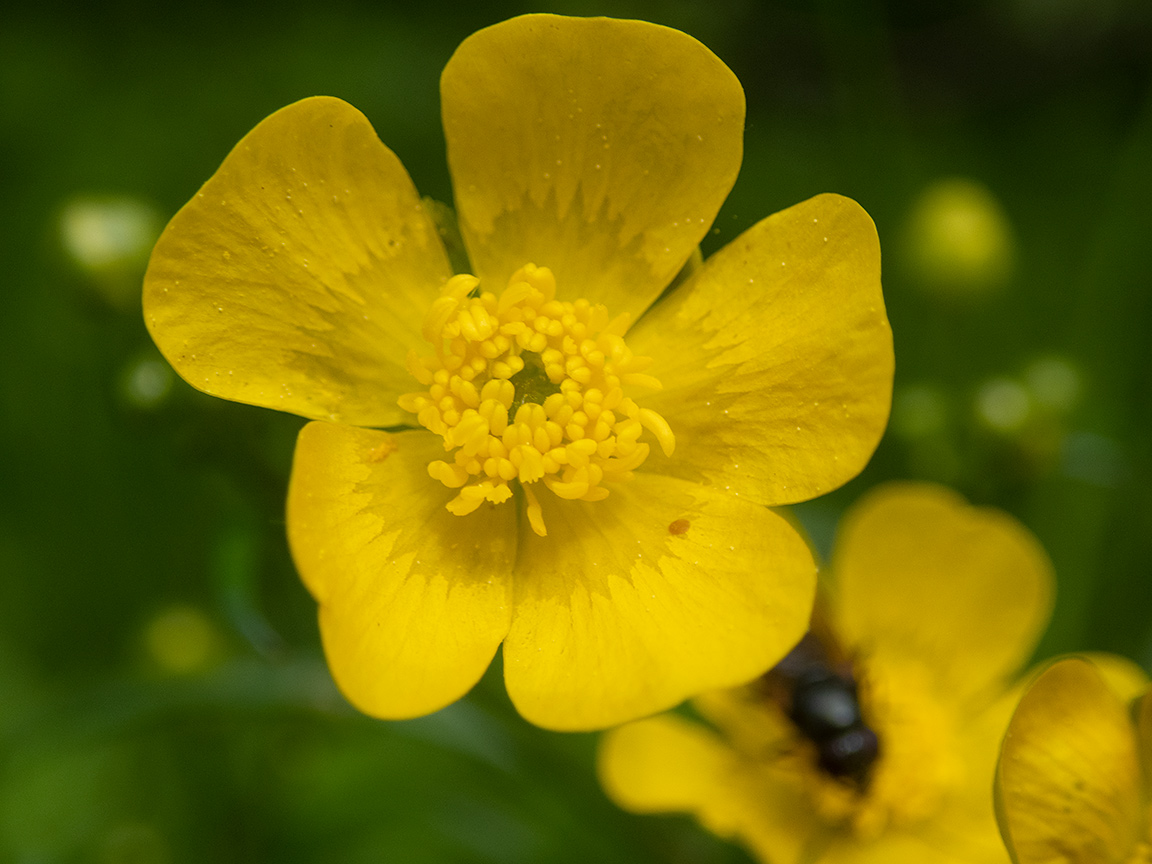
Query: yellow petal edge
[
  {"x": 922, "y": 574},
  {"x": 298, "y": 275},
  {"x": 776, "y": 356},
  {"x": 1068, "y": 783}
]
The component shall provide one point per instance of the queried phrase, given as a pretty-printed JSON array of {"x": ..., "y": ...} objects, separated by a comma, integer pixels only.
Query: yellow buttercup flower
[
  {"x": 1075, "y": 775},
  {"x": 570, "y": 467},
  {"x": 935, "y": 605}
]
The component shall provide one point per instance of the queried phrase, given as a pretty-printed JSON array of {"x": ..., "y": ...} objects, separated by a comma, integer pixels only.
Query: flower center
[
  {"x": 526, "y": 388},
  {"x": 917, "y": 765}
]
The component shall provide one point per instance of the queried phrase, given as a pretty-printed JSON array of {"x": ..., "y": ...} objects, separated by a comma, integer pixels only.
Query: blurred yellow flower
[
  {"x": 936, "y": 604},
  {"x": 959, "y": 239},
  {"x": 1073, "y": 782},
  {"x": 182, "y": 640},
  {"x": 589, "y": 158}
]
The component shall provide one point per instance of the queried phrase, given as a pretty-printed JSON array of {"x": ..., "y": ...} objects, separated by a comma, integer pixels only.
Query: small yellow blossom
[
  {"x": 936, "y": 605},
  {"x": 1075, "y": 775},
  {"x": 571, "y": 469}
]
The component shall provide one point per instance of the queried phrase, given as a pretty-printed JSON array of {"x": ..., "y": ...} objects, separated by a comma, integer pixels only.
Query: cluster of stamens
[{"x": 524, "y": 387}]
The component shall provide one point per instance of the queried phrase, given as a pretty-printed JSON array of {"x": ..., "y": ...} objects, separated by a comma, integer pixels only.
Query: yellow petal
[
  {"x": 599, "y": 148},
  {"x": 776, "y": 356},
  {"x": 750, "y": 722},
  {"x": 299, "y": 275},
  {"x": 1068, "y": 782},
  {"x": 900, "y": 847},
  {"x": 658, "y": 592},
  {"x": 1125, "y": 678},
  {"x": 964, "y": 827},
  {"x": 665, "y": 765},
  {"x": 1144, "y": 734},
  {"x": 668, "y": 765},
  {"x": 413, "y": 600},
  {"x": 923, "y": 575}
]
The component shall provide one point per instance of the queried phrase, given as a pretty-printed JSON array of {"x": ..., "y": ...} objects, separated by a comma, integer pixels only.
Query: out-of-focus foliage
[{"x": 162, "y": 696}]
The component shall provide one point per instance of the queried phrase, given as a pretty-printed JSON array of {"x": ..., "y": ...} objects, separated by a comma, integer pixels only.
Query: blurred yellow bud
[
  {"x": 959, "y": 240},
  {"x": 1003, "y": 405},
  {"x": 109, "y": 239},
  {"x": 146, "y": 382},
  {"x": 181, "y": 640}
]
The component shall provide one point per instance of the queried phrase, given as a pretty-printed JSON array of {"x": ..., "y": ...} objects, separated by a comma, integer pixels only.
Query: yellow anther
[
  {"x": 430, "y": 419},
  {"x": 535, "y": 515},
  {"x": 466, "y": 502},
  {"x": 470, "y": 327},
  {"x": 584, "y": 445},
  {"x": 540, "y": 440},
  {"x": 628, "y": 463},
  {"x": 659, "y": 427},
  {"x": 496, "y": 414},
  {"x": 437, "y": 318},
  {"x": 507, "y": 470},
  {"x": 498, "y": 493},
  {"x": 640, "y": 380},
  {"x": 571, "y": 491},
  {"x": 595, "y": 474},
  {"x": 452, "y": 476},
  {"x": 412, "y": 402},
  {"x": 417, "y": 369},
  {"x": 636, "y": 364},
  {"x": 490, "y": 389},
  {"x": 531, "y": 465},
  {"x": 466, "y": 390},
  {"x": 516, "y": 294},
  {"x": 618, "y": 326},
  {"x": 459, "y": 286}
]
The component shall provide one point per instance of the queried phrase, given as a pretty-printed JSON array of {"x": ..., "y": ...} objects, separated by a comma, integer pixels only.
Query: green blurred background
[{"x": 162, "y": 694}]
